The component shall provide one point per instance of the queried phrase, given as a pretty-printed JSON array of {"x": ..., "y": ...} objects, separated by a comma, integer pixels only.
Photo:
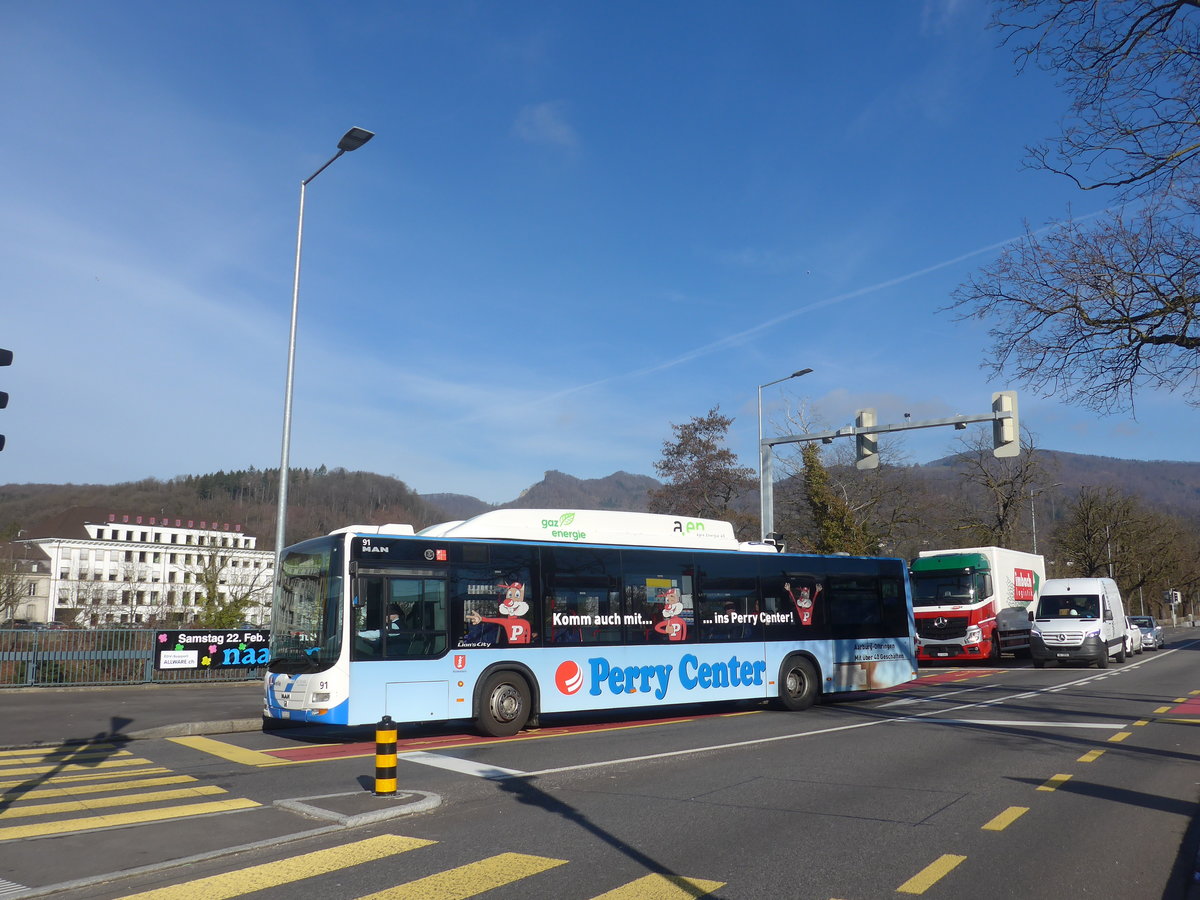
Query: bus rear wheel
[
  {"x": 504, "y": 705},
  {"x": 798, "y": 686}
]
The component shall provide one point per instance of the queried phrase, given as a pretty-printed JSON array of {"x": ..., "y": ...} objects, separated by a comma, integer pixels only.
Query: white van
[{"x": 1078, "y": 618}]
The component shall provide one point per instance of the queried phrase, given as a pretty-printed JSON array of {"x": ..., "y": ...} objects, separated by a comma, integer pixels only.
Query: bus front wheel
[
  {"x": 504, "y": 705},
  {"x": 798, "y": 684}
]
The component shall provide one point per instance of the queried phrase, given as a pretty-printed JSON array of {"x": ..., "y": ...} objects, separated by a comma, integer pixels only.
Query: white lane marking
[
  {"x": 463, "y": 766},
  {"x": 730, "y": 746},
  {"x": 901, "y": 719},
  {"x": 906, "y": 700},
  {"x": 1018, "y": 723}
]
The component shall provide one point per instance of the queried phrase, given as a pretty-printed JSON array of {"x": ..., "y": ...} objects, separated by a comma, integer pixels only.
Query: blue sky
[{"x": 578, "y": 224}]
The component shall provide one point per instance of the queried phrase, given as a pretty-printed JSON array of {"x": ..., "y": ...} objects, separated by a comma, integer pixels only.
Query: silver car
[{"x": 1152, "y": 633}]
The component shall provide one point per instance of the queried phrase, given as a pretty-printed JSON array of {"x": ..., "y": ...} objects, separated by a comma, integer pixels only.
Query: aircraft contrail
[{"x": 742, "y": 336}]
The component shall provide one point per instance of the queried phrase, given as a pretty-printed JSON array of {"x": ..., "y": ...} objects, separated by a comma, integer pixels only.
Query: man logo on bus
[
  {"x": 569, "y": 677},
  {"x": 672, "y": 624},
  {"x": 512, "y": 607}
]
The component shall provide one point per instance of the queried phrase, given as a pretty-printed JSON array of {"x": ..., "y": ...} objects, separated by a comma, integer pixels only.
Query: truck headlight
[{"x": 974, "y": 634}]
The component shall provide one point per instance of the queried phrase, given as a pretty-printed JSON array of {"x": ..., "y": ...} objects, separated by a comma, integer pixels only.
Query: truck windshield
[
  {"x": 941, "y": 589},
  {"x": 1057, "y": 606},
  {"x": 306, "y": 614}
]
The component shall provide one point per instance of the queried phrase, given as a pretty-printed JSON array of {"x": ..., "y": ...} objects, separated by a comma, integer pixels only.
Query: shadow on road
[{"x": 86, "y": 754}]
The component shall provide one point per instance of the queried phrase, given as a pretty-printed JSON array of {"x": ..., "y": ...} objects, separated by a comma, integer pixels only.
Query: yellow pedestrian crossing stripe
[
  {"x": 74, "y": 767},
  {"x": 230, "y": 752},
  {"x": 458, "y": 883},
  {"x": 286, "y": 871},
  {"x": 49, "y": 809},
  {"x": 88, "y": 823},
  {"x": 61, "y": 752},
  {"x": 61, "y": 790},
  {"x": 662, "y": 887},
  {"x": 470, "y": 880},
  {"x": 86, "y": 776},
  {"x": 76, "y": 790}
]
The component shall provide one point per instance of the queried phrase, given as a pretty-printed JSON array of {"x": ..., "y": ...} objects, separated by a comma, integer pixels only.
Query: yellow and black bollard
[{"x": 385, "y": 758}]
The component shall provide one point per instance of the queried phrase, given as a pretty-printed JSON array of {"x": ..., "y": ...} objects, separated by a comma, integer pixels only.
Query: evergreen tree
[
  {"x": 838, "y": 530},
  {"x": 702, "y": 475}
]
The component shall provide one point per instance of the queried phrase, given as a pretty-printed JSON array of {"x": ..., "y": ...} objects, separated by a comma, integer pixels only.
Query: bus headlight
[{"x": 321, "y": 697}]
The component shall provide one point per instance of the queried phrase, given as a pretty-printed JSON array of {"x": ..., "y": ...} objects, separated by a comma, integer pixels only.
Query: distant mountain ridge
[
  {"x": 1168, "y": 487},
  {"x": 324, "y": 499},
  {"x": 557, "y": 490}
]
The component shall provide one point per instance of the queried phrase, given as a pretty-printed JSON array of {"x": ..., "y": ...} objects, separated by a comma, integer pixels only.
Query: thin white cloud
[{"x": 545, "y": 123}]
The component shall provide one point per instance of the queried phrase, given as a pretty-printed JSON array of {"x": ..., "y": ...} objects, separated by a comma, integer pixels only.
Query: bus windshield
[
  {"x": 941, "y": 589},
  {"x": 306, "y": 615}
]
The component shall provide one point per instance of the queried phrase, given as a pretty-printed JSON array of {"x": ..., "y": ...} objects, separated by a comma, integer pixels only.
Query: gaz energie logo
[{"x": 561, "y": 527}]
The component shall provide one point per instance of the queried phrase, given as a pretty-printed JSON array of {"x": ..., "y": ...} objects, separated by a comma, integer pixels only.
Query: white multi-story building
[
  {"x": 153, "y": 570},
  {"x": 32, "y": 584}
]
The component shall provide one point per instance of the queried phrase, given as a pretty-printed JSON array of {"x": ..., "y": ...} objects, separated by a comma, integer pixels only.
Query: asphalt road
[
  {"x": 994, "y": 782},
  {"x": 47, "y": 716}
]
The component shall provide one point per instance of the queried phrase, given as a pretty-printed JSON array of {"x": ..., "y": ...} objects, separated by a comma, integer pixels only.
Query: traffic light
[
  {"x": 1006, "y": 433},
  {"x": 5, "y": 360},
  {"x": 866, "y": 446}
]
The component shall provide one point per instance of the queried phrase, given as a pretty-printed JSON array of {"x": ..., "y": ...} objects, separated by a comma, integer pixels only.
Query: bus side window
[
  {"x": 855, "y": 603},
  {"x": 581, "y": 603},
  {"x": 565, "y": 622},
  {"x": 658, "y": 609},
  {"x": 895, "y": 611},
  {"x": 729, "y": 604}
]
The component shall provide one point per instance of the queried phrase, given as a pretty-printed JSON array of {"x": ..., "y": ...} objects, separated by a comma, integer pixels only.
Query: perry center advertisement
[{"x": 211, "y": 649}]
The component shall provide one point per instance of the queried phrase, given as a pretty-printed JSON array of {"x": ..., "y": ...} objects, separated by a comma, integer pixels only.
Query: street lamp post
[
  {"x": 766, "y": 512},
  {"x": 1033, "y": 510},
  {"x": 351, "y": 140}
]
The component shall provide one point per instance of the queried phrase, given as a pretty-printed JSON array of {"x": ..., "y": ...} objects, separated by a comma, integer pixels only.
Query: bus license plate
[{"x": 1063, "y": 655}]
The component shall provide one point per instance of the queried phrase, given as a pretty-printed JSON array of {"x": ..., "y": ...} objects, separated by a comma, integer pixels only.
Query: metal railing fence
[{"x": 79, "y": 656}]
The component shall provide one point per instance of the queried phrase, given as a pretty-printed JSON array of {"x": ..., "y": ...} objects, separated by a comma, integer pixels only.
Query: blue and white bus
[{"x": 521, "y": 612}]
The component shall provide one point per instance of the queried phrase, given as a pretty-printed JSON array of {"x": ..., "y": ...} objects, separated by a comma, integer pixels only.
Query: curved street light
[
  {"x": 351, "y": 140},
  {"x": 1033, "y": 511},
  {"x": 765, "y": 512}
]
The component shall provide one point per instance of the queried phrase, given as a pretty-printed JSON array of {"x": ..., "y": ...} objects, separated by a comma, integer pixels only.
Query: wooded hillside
[{"x": 320, "y": 500}]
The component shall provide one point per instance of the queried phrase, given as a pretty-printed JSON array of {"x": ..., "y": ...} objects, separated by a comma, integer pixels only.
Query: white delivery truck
[
  {"x": 1079, "y": 619},
  {"x": 974, "y": 602}
]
